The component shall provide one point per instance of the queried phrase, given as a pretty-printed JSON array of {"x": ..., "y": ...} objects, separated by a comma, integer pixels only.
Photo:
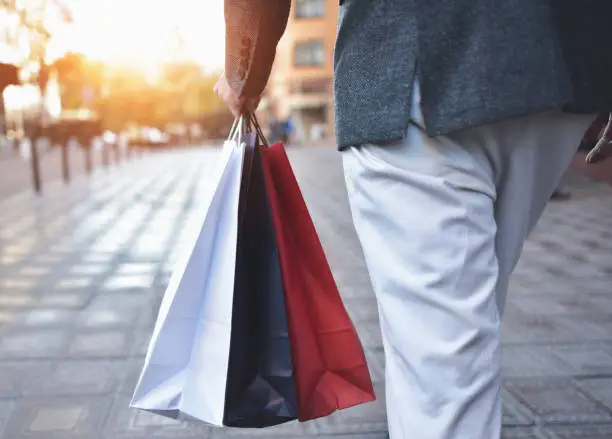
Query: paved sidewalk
[
  {"x": 601, "y": 171},
  {"x": 16, "y": 171},
  {"x": 83, "y": 268}
]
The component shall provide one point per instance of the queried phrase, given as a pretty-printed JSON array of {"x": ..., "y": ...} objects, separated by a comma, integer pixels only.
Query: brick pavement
[
  {"x": 83, "y": 268},
  {"x": 16, "y": 172},
  {"x": 601, "y": 171}
]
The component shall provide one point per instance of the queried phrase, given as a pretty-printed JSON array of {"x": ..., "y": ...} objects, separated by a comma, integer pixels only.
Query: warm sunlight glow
[{"x": 144, "y": 33}]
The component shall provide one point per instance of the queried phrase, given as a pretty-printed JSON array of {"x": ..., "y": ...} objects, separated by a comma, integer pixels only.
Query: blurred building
[
  {"x": 25, "y": 29},
  {"x": 300, "y": 85}
]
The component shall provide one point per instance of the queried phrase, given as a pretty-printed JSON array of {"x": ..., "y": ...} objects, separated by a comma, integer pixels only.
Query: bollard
[
  {"x": 65, "y": 162},
  {"x": 88, "y": 161},
  {"x": 35, "y": 165},
  {"x": 105, "y": 155}
]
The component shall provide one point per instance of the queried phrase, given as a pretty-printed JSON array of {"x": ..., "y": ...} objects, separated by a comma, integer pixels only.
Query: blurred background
[
  {"x": 142, "y": 72},
  {"x": 138, "y": 71}
]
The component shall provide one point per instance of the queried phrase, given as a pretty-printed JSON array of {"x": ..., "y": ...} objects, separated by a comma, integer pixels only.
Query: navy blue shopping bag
[{"x": 260, "y": 388}]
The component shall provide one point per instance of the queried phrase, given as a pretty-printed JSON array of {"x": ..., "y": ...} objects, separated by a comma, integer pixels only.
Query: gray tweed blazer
[{"x": 476, "y": 61}]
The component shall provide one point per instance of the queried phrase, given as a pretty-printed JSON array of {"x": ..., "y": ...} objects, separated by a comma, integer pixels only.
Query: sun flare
[{"x": 145, "y": 33}]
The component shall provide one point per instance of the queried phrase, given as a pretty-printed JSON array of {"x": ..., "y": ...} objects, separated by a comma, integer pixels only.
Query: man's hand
[{"x": 238, "y": 105}]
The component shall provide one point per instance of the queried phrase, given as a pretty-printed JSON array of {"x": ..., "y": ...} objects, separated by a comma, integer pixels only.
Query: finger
[
  {"x": 252, "y": 104},
  {"x": 236, "y": 111},
  {"x": 217, "y": 88},
  {"x": 236, "y": 107},
  {"x": 234, "y": 104}
]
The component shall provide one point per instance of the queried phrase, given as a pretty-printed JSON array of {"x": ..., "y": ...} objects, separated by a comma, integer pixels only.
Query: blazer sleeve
[{"x": 253, "y": 29}]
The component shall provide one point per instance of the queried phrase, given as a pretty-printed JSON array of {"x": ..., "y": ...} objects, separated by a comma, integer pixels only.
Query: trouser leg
[{"x": 442, "y": 222}]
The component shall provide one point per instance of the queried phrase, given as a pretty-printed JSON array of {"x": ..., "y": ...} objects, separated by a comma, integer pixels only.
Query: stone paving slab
[
  {"x": 83, "y": 269},
  {"x": 16, "y": 170}
]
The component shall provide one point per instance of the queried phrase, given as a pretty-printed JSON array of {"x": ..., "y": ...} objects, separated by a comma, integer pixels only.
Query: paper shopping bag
[
  {"x": 260, "y": 390},
  {"x": 185, "y": 370},
  {"x": 329, "y": 365}
]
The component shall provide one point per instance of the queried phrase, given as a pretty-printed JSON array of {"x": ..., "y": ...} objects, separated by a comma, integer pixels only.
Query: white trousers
[{"x": 442, "y": 222}]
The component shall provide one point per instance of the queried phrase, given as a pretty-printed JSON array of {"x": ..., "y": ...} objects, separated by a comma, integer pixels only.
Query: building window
[
  {"x": 309, "y": 8},
  {"x": 311, "y": 85},
  {"x": 309, "y": 54}
]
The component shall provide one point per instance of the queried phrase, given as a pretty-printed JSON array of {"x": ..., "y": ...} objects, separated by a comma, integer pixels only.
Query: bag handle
[
  {"x": 238, "y": 129},
  {"x": 242, "y": 124},
  {"x": 593, "y": 155},
  {"x": 253, "y": 120},
  {"x": 232, "y": 132}
]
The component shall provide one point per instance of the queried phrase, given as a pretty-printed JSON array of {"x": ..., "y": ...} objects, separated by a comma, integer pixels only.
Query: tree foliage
[{"x": 123, "y": 97}]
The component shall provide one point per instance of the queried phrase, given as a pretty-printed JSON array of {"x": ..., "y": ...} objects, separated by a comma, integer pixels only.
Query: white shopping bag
[{"x": 185, "y": 370}]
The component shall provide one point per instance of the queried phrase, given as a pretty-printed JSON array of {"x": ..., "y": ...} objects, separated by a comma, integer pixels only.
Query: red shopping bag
[{"x": 330, "y": 370}]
